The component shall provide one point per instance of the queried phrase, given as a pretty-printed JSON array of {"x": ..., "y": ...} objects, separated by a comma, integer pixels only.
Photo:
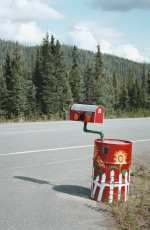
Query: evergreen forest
[{"x": 41, "y": 82}]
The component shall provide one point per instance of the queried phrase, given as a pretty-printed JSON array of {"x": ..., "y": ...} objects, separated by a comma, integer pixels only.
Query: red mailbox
[
  {"x": 111, "y": 170},
  {"x": 87, "y": 113}
]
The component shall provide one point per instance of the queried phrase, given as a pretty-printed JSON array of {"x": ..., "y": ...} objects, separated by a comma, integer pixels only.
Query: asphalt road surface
[{"x": 45, "y": 172}]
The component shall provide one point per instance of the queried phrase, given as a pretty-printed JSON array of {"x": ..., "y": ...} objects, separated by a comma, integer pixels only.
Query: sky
[{"x": 120, "y": 27}]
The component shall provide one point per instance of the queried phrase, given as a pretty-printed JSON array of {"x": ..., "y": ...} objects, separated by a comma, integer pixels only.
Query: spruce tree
[
  {"x": 89, "y": 84},
  {"x": 30, "y": 102},
  {"x": 51, "y": 83},
  {"x": 63, "y": 90},
  {"x": 13, "y": 73},
  {"x": 133, "y": 97},
  {"x": 99, "y": 63},
  {"x": 107, "y": 89},
  {"x": 38, "y": 81},
  {"x": 8, "y": 71},
  {"x": 18, "y": 83},
  {"x": 136, "y": 98},
  {"x": 144, "y": 89},
  {"x": 75, "y": 78},
  {"x": 98, "y": 81},
  {"x": 115, "y": 91},
  {"x": 3, "y": 94},
  {"x": 148, "y": 90},
  {"x": 148, "y": 83},
  {"x": 131, "y": 91},
  {"x": 124, "y": 99},
  {"x": 48, "y": 84}
]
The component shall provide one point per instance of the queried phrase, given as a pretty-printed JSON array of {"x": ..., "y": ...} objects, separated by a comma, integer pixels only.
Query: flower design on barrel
[{"x": 120, "y": 157}]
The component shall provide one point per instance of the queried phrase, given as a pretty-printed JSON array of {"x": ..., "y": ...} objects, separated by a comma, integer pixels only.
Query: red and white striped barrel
[{"x": 111, "y": 170}]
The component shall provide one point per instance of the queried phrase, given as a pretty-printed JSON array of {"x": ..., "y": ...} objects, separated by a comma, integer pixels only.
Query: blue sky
[{"x": 120, "y": 27}]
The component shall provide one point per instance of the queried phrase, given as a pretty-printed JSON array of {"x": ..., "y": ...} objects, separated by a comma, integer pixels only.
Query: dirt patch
[{"x": 135, "y": 213}]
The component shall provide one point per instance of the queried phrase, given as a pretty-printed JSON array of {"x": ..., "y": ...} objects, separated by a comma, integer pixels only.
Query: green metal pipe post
[{"x": 92, "y": 131}]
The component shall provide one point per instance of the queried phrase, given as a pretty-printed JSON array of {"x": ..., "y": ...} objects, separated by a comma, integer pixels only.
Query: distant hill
[{"x": 113, "y": 64}]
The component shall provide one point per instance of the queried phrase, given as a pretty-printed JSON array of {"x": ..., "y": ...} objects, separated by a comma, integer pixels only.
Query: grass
[
  {"x": 135, "y": 213},
  {"x": 30, "y": 119},
  {"x": 131, "y": 114},
  {"x": 109, "y": 114}
]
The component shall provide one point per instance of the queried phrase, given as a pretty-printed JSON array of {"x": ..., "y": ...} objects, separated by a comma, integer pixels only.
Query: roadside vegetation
[
  {"x": 129, "y": 114},
  {"x": 135, "y": 213}
]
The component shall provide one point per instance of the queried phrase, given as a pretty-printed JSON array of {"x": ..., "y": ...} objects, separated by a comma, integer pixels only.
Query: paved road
[{"x": 45, "y": 171}]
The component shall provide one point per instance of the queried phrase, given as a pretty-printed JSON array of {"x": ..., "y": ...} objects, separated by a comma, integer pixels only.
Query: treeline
[
  {"x": 45, "y": 84},
  {"x": 132, "y": 94}
]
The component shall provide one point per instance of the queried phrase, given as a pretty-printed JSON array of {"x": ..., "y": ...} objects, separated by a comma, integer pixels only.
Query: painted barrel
[{"x": 111, "y": 170}]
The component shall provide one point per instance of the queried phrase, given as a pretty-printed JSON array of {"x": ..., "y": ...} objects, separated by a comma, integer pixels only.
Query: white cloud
[
  {"x": 87, "y": 37},
  {"x": 27, "y": 10},
  {"x": 20, "y": 19},
  {"x": 129, "y": 51},
  {"x": 121, "y": 5},
  {"x": 28, "y": 32},
  {"x": 83, "y": 38},
  {"x": 105, "y": 46}
]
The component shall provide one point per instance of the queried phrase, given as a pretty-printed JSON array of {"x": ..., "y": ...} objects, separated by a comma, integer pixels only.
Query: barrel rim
[{"x": 120, "y": 141}]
